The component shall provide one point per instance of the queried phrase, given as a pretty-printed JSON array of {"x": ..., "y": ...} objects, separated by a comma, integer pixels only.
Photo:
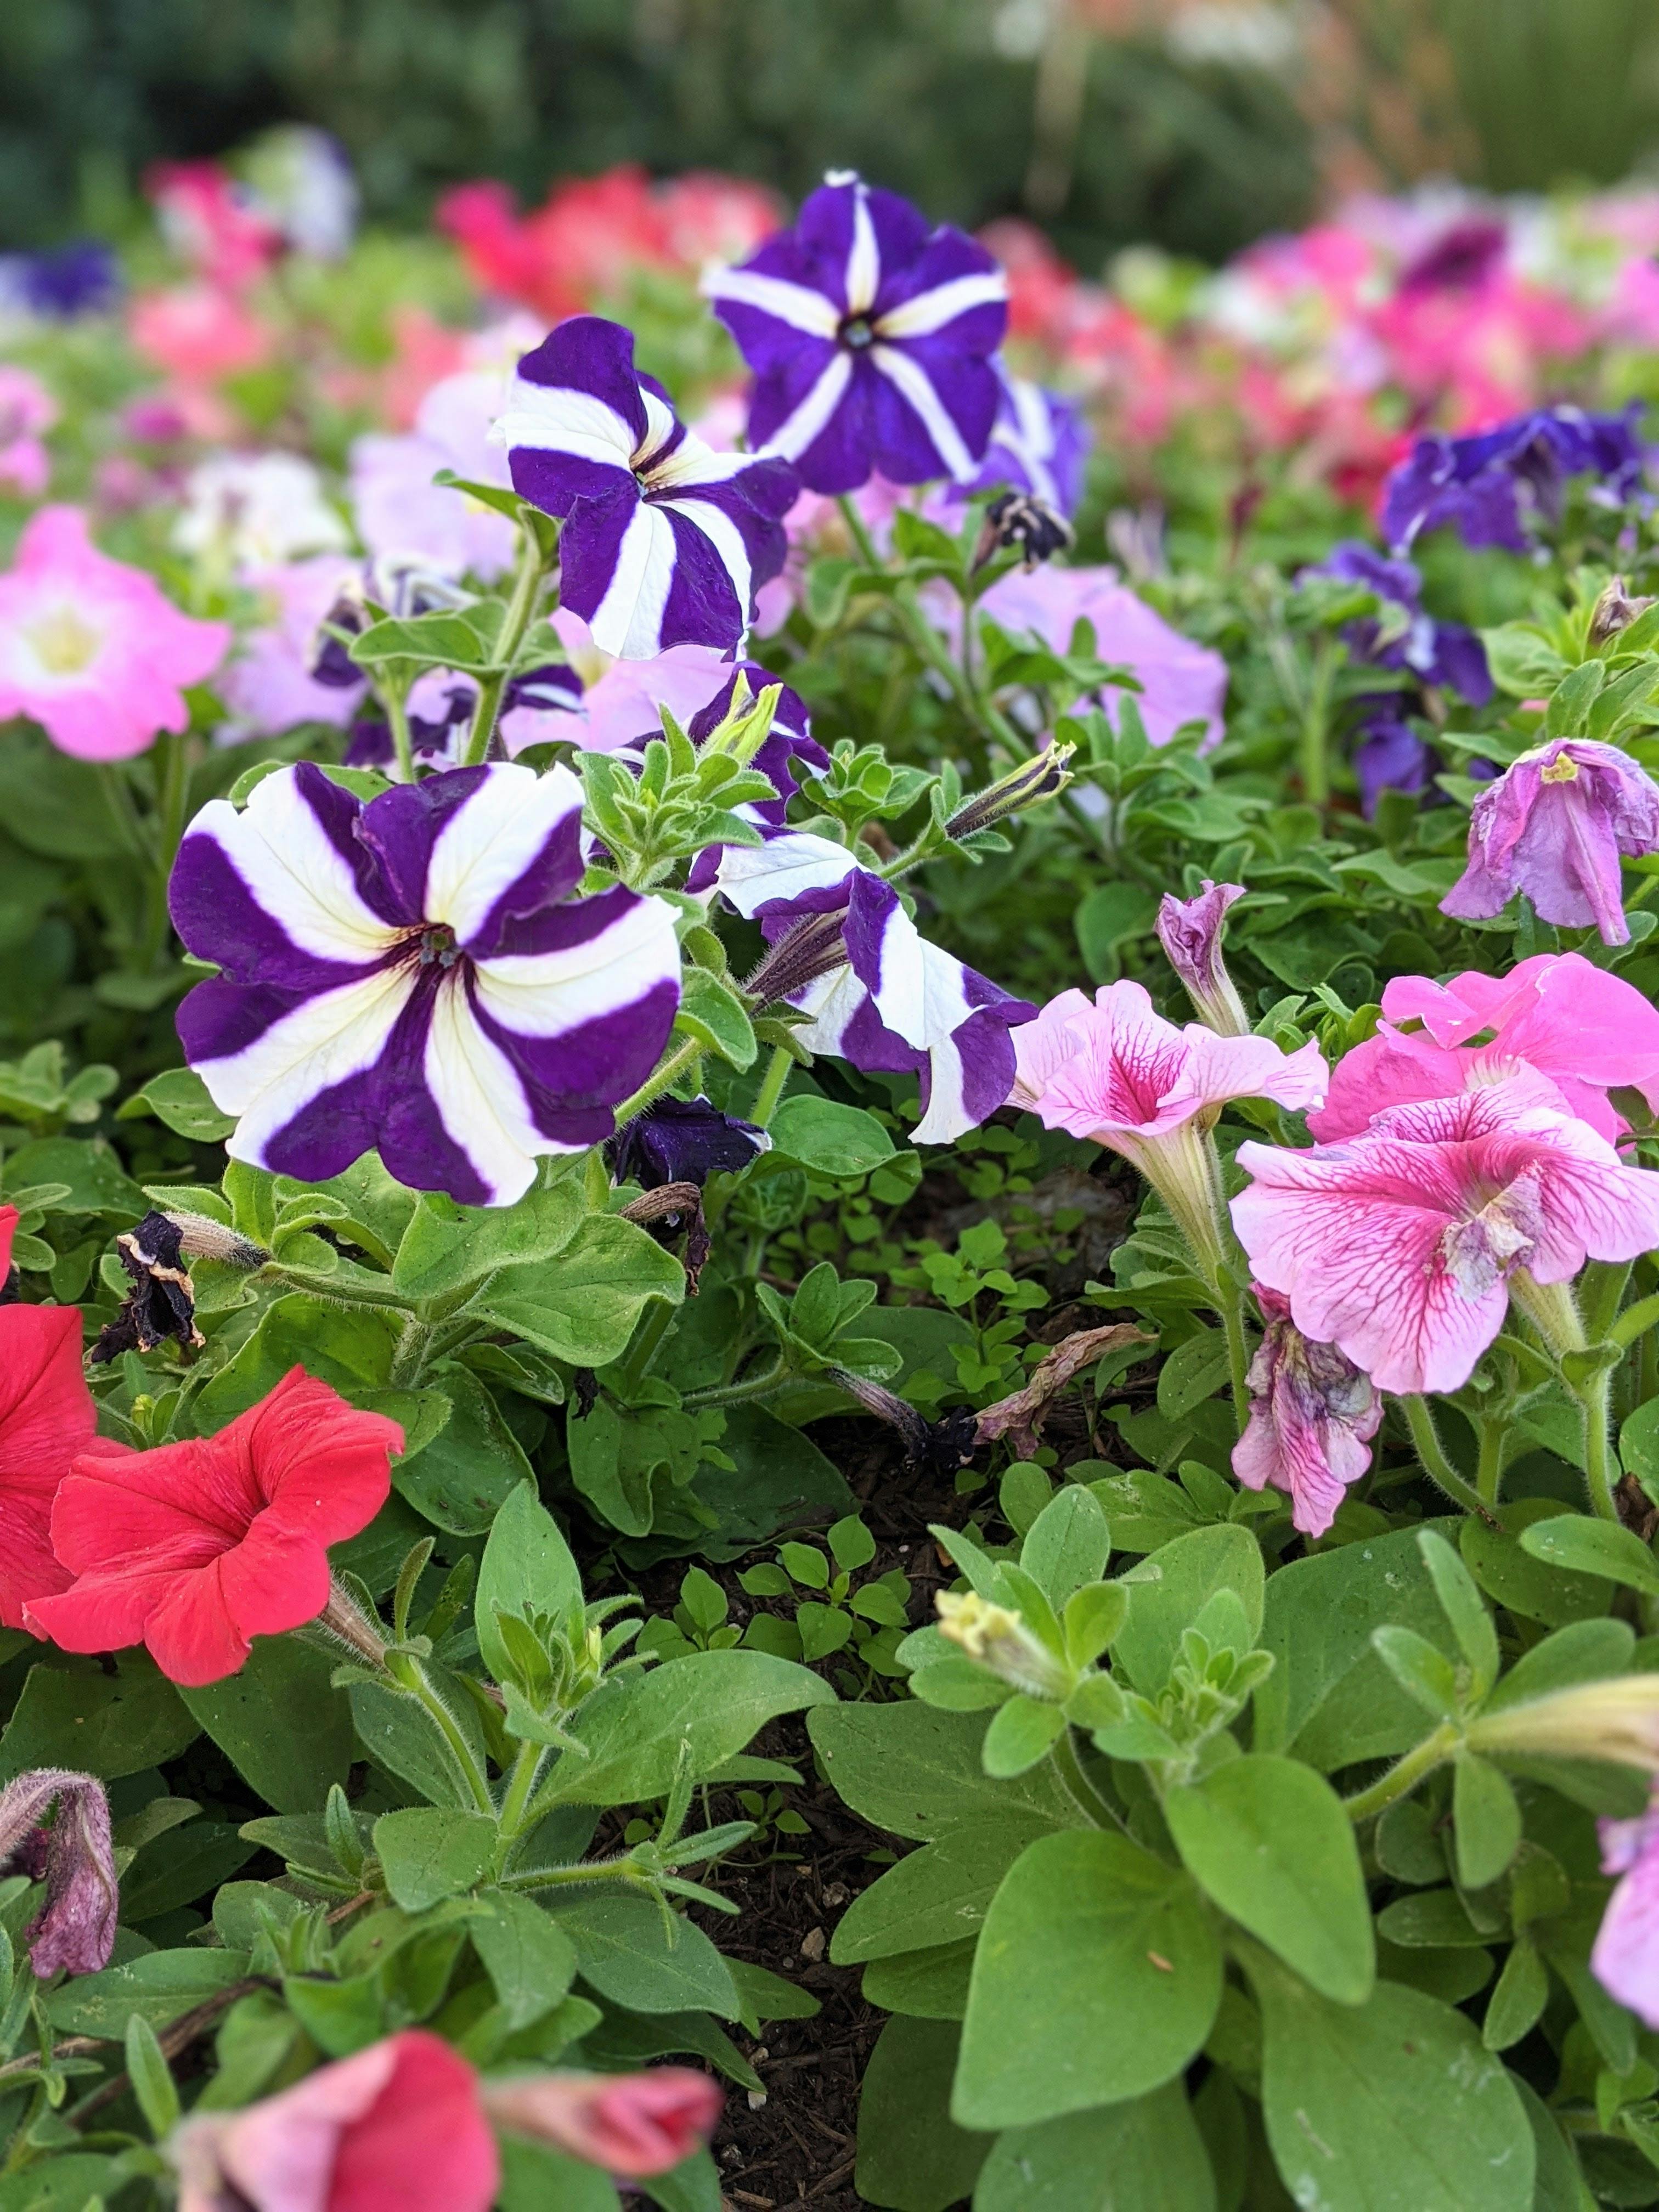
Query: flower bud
[
  {"x": 1616, "y": 1720},
  {"x": 628, "y": 2123},
  {"x": 1614, "y": 611},
  {"x": 1041, "y": 777},
  {"x": 1190, "y": 931},
  {"x": 998, "y": 1640}
]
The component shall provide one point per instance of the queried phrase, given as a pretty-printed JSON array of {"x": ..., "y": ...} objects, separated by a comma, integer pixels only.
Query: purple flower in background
[
  {"x": 1039, "y": 443},
  {"x": 1488, "y": 485},
  {"x": 1390, "y": 756},
  {"x": 870, "y": 338},
  {"x": 1435, "y": 652},
  {"x": 1313, "y": 1415},
  {"x": 682, "y": 1140},
  {"x": 665, "y": 541},
  {"x": 538, "y": 705},
  {"x": 1624, "y": 1959},
  {"x": 76, "y": 1859},
  {"x": 846, "y": 952},
  {"x": 1554, "y": 825},
  {"x": 416, "y": 976},
  {"x": 64, "y": 281},
  {"x": 1465, "y": 253}
]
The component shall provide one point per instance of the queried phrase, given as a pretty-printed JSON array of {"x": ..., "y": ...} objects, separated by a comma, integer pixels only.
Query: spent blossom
[
  {"x": 74, "y": 1929},
  {"x": 629, "y": 2124},
  {"x": 1312, "y": 1417},
  {"x": 1190, "y": 931}
]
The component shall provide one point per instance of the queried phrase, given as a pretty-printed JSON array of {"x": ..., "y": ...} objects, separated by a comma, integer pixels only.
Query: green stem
[
  {"x": 1077, "y": 1784},
  {"x": 304, "y": 1279},
  {"x": 1635, "y": 1321},
  {"x": 1439, "y": 1469},
  {"x": 172, "y": 798},
  {"x": 521, "y": 1784},
  {"x": 772, "y": 1082},
  {"x": 526, "y": 586},
  {"x": 647, "y": 1338},
  {"x": 1404, "y": 1774},
  {"x": 734, "y": 1394},
  {"x": 413, "y": 1348},
  {"x": 396, "y": 714},
  {"x": 1593, "y": 1396},
  {"x": 653, "y": 1086},
  {"x": 1228, "y": 1304},
  {"x": 1489, "y": 1472},
  {"x": 411, "y": 1678},
  {"x": 623, "y": 1869},
  {"x": 1315, "y": 722}
]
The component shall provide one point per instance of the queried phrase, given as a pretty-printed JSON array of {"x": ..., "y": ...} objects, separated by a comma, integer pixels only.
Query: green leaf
[
  {"x": 1096, "y": 1979},
  {"x": 287, "y": 1733},
  {"x": 1425, "y": 1675},
  {"x": 715, "y": 1016},
  {"x": 1194, "y": 1371},
  {"x": 1067, "y": 1545},
  {"x": 640, "y": 1731},
  {"x": 72, "y": 1714},
  {"x": 96, "y": 1180},
  {"x": 178, "y": 1098},
  {"x": 178, "y": 1867},
  {"x": 1588, "y": 1546},
  {"x": 1525, "y": 1585},
  {"x": 1487, "y": 1818},
  {"x": 917, "y": 1772},
  {"x": 1110, "y": 915},
  {"x": 1391, "y": 2106},
  {"x": 528, "y": 1957},
  {"x": 927, "y": 1984},
  {"x": 533, "y": 2177},
  {"x": 77, "y": 2183},
  {"x": 910, "y": 2153},
  {"x": 1517, "y": 2002},
  {"x": 1471, "y": 1623},
  {"x": 157, "y": 1987},
  {"x": 151, "y": 2077},
  {"x": 1267, "y": 1838},
  {"x": 463, "y": 639},
  {"x": 937, "y": 1895},
  {"x": 462, "y": 1478},
  {"x": 1020, "y": 1733},
  {"x": 1146, "y": 2155},
  {"x": 633, "y": 1953},
  {"x": 1584, "y": 1651},
  {"x": 429, "y": 1853},
  {"x": 528, "y": 1568},
  {"x": 398, "y": 1731},
  {"x": 446, "y": 1246},
  {"x": 1170, "y": 1587},
  {"x": 831, "y": 1138},
  {"x": 350, "y": 1350},
  {"x": 582, "y": 1306}
]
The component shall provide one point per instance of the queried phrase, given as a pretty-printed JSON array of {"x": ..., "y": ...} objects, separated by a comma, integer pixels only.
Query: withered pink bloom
[
  {"x": 1402, "y": 1245},
  {"x": 1624, "y": 1959},
  {"x": 1190, "y": 931},
  {"x": 74, "y": 1858},
  {"x": 629, "y": 2124},
  {"x": 1555, "y": 825},
  {"x": 1312, "y": 1417}
]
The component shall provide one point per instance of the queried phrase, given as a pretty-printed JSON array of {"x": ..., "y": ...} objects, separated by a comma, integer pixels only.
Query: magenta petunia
[{"x": 1312, "y": 1417}]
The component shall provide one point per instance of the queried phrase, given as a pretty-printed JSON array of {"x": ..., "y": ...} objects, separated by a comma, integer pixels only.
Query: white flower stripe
[
  {"x": 324, "y": 1041},
  {"x": 628, "y": 621},
  {"x": 544, "y": 995},
  {"x": 799, "y": 428},
  {"x": 915, "y": 386},
  {"x": 863, "y": 278},
  {"x": 724, "y": 535},
  {"x": 947, "y": 1117},
  {"x": 693, "y": 462},
  {"x": 481, "y": 1100},
  {"x": 783, "y": 868},
  {"x": 295, "y": 872},
  {"x": 659, "y": 429},
  {"x": 795, "y": 304},
  {"x": 556, "y": 418},
  {"x": 491, "y": 840},
  {"x": 931, "y": 311}
]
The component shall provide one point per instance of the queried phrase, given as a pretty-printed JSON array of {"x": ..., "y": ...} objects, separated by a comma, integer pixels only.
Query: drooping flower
[
  {"x": 402, "y": 515},
  {"x": 400, "y": 2124},
  {"x": 1554, "y": 825},
  {"x": 193, "y": 1548},
  {"x": 1190, "y": 931},
  {"x": 1488, "y": 487},
  {"x": 26, "y": 410},
  {"x": 682, "y": 1140},
  {"x": 1587, "y": 1031},
  {"x": 1625, "y": 1958},
  {"x": 1312, "y": 1417},
  {"x": 629, "y": 2124},
  {"x": 845, "y": 951},
  {"x": 665, "y": 542},
  {"x": 415, "y": 976},
  {"x": 1402, "y": 1245},
  {"x": 90, "y": 647},
  {"x": 251, "y": 511},
  {"x": 75, "y": 1929},
  {"x": 870, "y": 338}
]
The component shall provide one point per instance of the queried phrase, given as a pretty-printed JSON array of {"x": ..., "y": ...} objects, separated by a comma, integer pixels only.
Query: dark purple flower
[
  {"x": 76, "y": 1859},
  {"x": 665, "y": 541},
  {"x": 682, "y": 1140},
  {"x": 1489, "y": 485},
  {"x": 63, "y": 281},
  {"x": 1390, "y": 755},
  {"x": 1460, "y": 259},
  {"x": 870, "y": 338},
  {"x": 1435, "y": 652},
  {"x": 1554, "y": 825}
]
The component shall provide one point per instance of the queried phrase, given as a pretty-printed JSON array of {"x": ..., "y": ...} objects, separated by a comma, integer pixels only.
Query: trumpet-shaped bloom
[
  {"x": 870, "y": 338},
  {"x": 90, "y": 649},
  {"x": 1399, "y": 1245},
  {"x": 665, "y": 542},
  {"x": 402, "y": 514},
  {"x": 415, "y": 976},
  {"x": 47, "y": 1420},
  {"x": 1312, "y": 1417},
  {"x": 195, "y": 1547},
  {"x": 629, "y": 2124},
  {"x": 1587, "y": 1031},
  {"x": 1554, "y": 825},
  {"x": 1490, "y": 486},
  {"x": 1625, "y": 1958}
]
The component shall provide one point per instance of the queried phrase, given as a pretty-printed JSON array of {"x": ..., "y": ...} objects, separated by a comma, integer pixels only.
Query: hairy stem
[
  {"x": 772, "y": 1082},
  {"x": 653, "y": 1086},
  {"x": 1439, "y": 1469},
  {"x": 1404, "y": 1775},
  {"x": 527, "y": 587}
]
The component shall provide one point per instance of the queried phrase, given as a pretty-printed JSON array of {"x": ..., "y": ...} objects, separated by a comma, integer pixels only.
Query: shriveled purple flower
[
  {"x": 1625, "y": 1958},
  {"x": 682, "y": 1140},
  {"x": 1190, "y": 931},
  {"x": 415, "y": 975},
  {"x": 665, "y": 542},
  {"x": 1489, "y": 485},
  {"x": 845, "y": 951},
  {"x": 1436, "y": 652},
  {"x": 1039, "y": 443},
  {"x": 870, "y": 338},
  {"x": 76, "y": 1859},
  {"x": 1554, "y": 825},
  {"x": 1313, "y": 1415}
]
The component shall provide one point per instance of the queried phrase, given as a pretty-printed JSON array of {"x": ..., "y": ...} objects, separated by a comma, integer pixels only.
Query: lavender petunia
[
  {"x": 870, "y": 338},
  {"x": 1555, "y": 825},
  {"x": 1390, "y": 756},
  {"x": 1039, "y": 443},
  {"x": 665, "y": 542},
  {"x": 415, "y": 976},
  {"x": 1624, "y": 1959},
  {"x": 1190, "y": 931},
  {"x": 1488, "y": 485}
]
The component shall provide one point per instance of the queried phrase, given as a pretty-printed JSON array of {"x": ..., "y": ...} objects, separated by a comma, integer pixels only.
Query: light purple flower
[
  {"x": 415, "y": 976},
  {"x": 1626, "y": 1956},
  {"x": 1554, "y": 825},
  {"x": 1312, "y": 1417},
  {"x": 1039, "y": 443},
  {"x": 74, "y": 1858},
  {"x": 1190, "y": 931},
  {"x": 269, "y": 686},
  {"x": 870, "y": 338},
  {"x": 665, "y": 542},
  {"x": 846, "y": 952},
  {"x": 402, "y": 515}
]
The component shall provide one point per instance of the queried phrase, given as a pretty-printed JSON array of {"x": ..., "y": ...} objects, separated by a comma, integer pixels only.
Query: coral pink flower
[
  {"x": 90, "y": 647},
  {"x": 1624, "y": 1959},
  {"x": 629, "y": 2124},
  {"x": 268, "y": 686},
  {"x": 196, "y": 334},
  {"x": 47, "y": 1420},
  {"x": 578, "y": 245},
  {"x": 195, "y": 1547},
  {"x": 398, "y": 2125},
  {"x": 1312, "y": 1417},
  {"x": 1401, "y": 1245},
  {"x": 1587, "y": 1031},
  {"x": 210, "y": 222},
  {"x": 27, "y": 409}
]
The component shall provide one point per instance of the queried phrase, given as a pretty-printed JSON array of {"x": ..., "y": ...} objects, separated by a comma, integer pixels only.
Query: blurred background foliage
[{"x": 1194, "y": 124}]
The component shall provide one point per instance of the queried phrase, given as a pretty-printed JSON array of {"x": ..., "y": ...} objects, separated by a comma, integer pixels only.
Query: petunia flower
[
  {"x": 629, "y": 2124},
  {"x": 81, "y": 278},
  {"x": 251, "y": 511},
  {"x": 1489, "y": 486},
  {"x": 90, "y": 647},
  {"x": 271, "y": 684},
  {"x": 1625, "y": 1958},
  {"x": 665, "y": 542},
  {"x": 1190, "y": 931},
  {"x": 26, "y": 410},
  {"x": 75, "y": 1929},
  {"x": 1312, "y": 1417},
  {"x": 401, "y": 514},
  {"x": 870, "y": 338},
  {"x": 415, "y": 976},
  {"x": 1587, "y": 1031},
  {"x": 1038, "y": 444},
  {"x": 400, "y": 2124},
  {"x": 1554, "y": 826},
  {"x": 1402, "y": 1245},
  {"x": 682, "y": 1140},
  {"x": 844, "y": 951},
  {"x": 1438, "y": 652},
  {"x": 193, "y": 1548}
]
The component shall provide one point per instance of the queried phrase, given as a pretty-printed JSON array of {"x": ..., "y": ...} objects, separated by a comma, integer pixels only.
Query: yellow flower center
[
  {"x": 64, "y": 643},
  {"x": 1562, "y": 769}
]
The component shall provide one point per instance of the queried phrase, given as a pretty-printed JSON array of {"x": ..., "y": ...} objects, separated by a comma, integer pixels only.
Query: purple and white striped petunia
[
  {"x": 870, "y": 338},
  {"x": 1039, "y": 445},
  {"x": 878, "y": 994},
  {"x": 665, "y": 542},
  {"x": 414, "y": 975}
]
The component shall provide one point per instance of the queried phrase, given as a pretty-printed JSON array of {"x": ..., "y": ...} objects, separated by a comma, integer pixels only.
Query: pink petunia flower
[
  {"x": 27, "y": 409},
  {"x": 1554, "y": 825},
  {"x": 1625, "y": 1958},
  {"x": 90, "y": 647},
  {"x": 1587, "y": 1031},
  {"x": 1401, "y": 1246},
  {"x": 268, "y": 686},
  {"x": 621, "y": 700},
  {"x": 629, "y": 2124},
  {"x": 198, "y": 335},
  {"x": 1312, "y": 1417}
]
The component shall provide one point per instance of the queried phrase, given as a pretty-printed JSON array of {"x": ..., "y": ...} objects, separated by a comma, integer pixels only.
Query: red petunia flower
[{"x": 195, "y": 1547}]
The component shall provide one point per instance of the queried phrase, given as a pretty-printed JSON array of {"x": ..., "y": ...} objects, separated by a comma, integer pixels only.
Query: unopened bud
[
  {"x": 1041, "y": 777},
  {"x": 1616, "y": 1720},
  {"x": 1000, "y": 1641},
  {"x": 344, "y": 1622},
  {"x": 1614, "y": 611},
  {"x": 201, "y": 1237},
  {"x": 1190, "y": 931}
]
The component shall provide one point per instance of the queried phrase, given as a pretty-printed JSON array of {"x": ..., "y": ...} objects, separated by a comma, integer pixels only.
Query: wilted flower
[
  {"x": 665, "y": 542},
  {"x": 870, "y": 338},
  {"x": 162, "y": 1304},
  {"x": 1312, "y": 1417},
  {"x": 682, "y": 1140},
  {"x": 415, "y": 976},
  {"x": 1554, "y": 826},
  {"x": 76, "y": 1859},
  {"x": 998, "y": 1640},
  {"x": 1190, "y": 931},
  {"x": 1490, "y": 485},
  {"x": 1614, "y": 611},
  {"x": 628, "y": 2123}
]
